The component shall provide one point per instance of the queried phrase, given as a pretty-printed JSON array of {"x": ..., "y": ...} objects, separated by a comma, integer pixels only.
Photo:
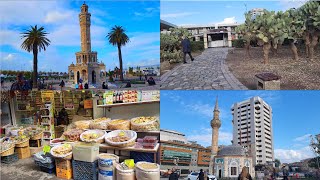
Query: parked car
[{"x": 194, "y": 176}]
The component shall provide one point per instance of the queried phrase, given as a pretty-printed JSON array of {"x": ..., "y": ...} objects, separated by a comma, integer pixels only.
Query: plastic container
[
  {"x": 107, "y": 174},
  {"x": 63, "y": 173},
  {"x": 131, "y": 134},
  {"x": 124, "y": 174},
  {"x": 100, "y": 136},
  {"x": 140, "y": 140},
  {"x": 149, "y": 145},
  {"x": 10, "y": 159},
  {"x": 101, "y": 123},
  {"x": 63, "y": 164},
  {"x": 104, "y": 160},
  {"x": 150, "y": 139},
  {"x": 87, "y": 152},
  {"x": 47, "y": 170},
  {"x": 85, "y": 170},
  {"x": 147, "y": 174}
]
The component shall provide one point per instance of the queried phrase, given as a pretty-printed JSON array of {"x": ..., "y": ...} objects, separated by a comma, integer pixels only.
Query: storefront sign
[{"x": 88, "y": 104}]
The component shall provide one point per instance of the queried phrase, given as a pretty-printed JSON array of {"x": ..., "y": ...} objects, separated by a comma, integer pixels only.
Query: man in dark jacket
[
  {"x": 174, "y": 175},
  {"x": 201, "y": 175},
  {"x": 186, "y": 48}
]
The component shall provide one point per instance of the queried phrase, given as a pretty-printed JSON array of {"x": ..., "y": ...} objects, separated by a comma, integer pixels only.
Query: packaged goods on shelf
[
  {"x": 119, "y": 124},
  {"x": 147, "y": 171},
  {"x": 121, "y": 138},
  {"x": 145, "y": 123},
  {"x": 108, "y": 97},
  {"x": 93, "y": 136},
  {"x": 87, "y": 152}
]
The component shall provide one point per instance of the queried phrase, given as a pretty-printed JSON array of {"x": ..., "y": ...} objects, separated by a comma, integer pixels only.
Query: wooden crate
[
  {"x": 63, "y": 164},
  {"x": 23, "y": 152},
  {"x": 64, "y": 173}
]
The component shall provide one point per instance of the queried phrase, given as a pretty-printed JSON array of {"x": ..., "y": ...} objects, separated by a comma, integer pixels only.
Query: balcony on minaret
[{"x": 84, "y": 8}]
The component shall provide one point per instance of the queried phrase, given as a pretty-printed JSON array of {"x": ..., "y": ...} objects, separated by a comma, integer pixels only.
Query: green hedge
[
  {"x": 197, "y": 46},
  {"x": 238, "y": 43}
]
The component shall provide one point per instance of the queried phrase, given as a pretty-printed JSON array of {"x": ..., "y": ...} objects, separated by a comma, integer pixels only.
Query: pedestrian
[
  {"x": 274, "y": 174},
  {"x": 201, "y": 175},
  {"x": 103, "y": 85},
  {"x": 76, "y": 86},
  {"x": 80, "y": 86},
  {"x": 244, "y": 175},
  {"x": 151, "y": 81},
  {"x": 86, "y": 86},
  {"x": 186, "y": 48},
  {"x": 174, "y": 175},
  {"x": 285, "y": 172},
  {"x": 61, "y": 84},
  {"x": 128, "y": 85}
]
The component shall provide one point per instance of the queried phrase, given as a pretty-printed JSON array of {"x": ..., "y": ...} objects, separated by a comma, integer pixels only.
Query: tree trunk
[
  {"x": 35, "y": 66},
  {"x": 294, "y": 51},
  {"x": 120, "y": 62},
  {"x": 266, "y": 50},
  {"x": 313, "y": 44},
  {"x": 247, "y": 46},
  {"x": 307, "y": 42}
]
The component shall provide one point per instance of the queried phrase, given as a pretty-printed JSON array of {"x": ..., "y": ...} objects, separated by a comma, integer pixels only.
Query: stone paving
[{"x": 207, "y": 71}]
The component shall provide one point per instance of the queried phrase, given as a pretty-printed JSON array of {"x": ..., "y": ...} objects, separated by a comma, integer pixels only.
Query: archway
[
  {"x": 84, "y": 75},
  {"x": 220, "y": 173},
  {"x": 78, "y": 77},
  {"x": 93, "y": 77}
]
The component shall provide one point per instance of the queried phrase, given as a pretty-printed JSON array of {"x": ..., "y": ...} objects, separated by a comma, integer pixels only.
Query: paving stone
[{"x": 208, "y": 71}]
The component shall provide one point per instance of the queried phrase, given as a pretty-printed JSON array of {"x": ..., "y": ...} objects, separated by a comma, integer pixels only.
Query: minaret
[
  {"x": 215, "y": 125},
  {"x": 85, "y": 22}
]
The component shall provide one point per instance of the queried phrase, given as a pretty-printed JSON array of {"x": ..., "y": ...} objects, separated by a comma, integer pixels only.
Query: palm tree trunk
[
  {"x": 120, "y": 62},
  {"x": 35, "y": 66}
]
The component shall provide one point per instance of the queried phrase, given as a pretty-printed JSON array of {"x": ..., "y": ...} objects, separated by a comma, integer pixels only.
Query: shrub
[
  {"x": 197, "y": 45},
  {"x": 238, "y": 43}
]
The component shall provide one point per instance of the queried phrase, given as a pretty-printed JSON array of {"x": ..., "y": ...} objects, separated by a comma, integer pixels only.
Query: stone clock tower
[
  {"x": 215, "y": 125},
  {"x": 87, "y": 67}
]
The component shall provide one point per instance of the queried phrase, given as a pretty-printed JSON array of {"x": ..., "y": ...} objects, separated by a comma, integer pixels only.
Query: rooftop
[{"x": 232, "y": 150}]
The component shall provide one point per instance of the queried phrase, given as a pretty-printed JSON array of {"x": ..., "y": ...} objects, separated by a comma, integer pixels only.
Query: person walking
[
  {"x": 244, "y": 175},
  {"x": 174, "y": 175},
  {"x": 285, "y": 172},
  {"x": 186, "y": 48},
  {"x": 86, "y": 86},
  {"x": 201, "y": 175},
  {"x": 80, "y": 86},
  {"x": 104, "y": 85},
  {"x": 61, "y": 84}
]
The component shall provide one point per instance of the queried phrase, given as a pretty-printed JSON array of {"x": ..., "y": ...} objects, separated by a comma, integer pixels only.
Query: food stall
[{"x": 109, "y": 134}]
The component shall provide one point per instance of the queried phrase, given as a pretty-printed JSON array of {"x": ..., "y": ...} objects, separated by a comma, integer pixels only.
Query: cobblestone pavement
[{"x": 207, "y": 71}]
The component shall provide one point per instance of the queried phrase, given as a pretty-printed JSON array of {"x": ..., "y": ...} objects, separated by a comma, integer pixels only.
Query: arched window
[{"x": 233, "y": 169}]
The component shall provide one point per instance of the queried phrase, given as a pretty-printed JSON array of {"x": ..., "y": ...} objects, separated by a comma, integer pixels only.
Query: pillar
[
  {"x": 197, "y": 38},
  {"x": 229, "y": 37},
  {"x": 205, "y": 39}
]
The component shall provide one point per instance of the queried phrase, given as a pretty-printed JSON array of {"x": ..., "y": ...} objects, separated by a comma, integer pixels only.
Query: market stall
[{"x": 105, "y": 135}]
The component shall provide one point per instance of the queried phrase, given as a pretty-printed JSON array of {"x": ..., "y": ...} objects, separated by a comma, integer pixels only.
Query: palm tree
[
  {"x": 117, "y": 37},
  {"x": 35, "y": 40}
]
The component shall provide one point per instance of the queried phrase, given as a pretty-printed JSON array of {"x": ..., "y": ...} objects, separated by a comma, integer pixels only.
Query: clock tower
[{"x": 85, "y": 22}]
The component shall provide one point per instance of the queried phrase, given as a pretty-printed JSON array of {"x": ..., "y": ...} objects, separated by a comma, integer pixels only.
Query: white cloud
[
  {"x": 271, "y": 97},
  {"x": 11, "y": 38},
  {"x": 9, "y": 57},
  {"x": 205, "y": 137},
  {"x": 304, "y": 138},
  {"x": 293, "y": 155},
  {"x": 229, "y": 20},
  {"x": 55, "y": 16},
  {"x": 287, "y": 4},
  {"x": 176, "y": 15}
]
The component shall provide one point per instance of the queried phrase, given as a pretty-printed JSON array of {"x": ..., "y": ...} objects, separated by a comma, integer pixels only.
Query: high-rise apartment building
[{"x": 252, "y": 129}]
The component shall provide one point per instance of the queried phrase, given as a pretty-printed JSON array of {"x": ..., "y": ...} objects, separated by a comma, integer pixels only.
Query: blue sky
[
  {"x": 295, "y": 116},
  {"x": 60, "y": 19},
  {"x": 211, "y": 12}
]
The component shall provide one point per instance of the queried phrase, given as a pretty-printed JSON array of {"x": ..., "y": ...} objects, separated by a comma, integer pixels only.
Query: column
[
  {"x": 197, "y": 38},
  {"x": 229, "y": 37},
  {"x": 205, "y": 39}
]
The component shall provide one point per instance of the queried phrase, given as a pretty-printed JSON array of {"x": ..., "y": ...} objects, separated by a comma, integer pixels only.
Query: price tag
[{"x": 46, "y": 149}]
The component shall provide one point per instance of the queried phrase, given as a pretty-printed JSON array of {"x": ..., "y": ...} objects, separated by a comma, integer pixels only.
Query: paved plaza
[{"x": 207, "y": 71}]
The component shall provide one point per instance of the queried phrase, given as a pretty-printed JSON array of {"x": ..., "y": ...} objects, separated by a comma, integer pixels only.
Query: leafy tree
[
  {"x": 118, "y": 37},
  {"x": 110, "y": 75},
  {"x": 35, "y": 40},
  {"x": 277, "y": 162}
]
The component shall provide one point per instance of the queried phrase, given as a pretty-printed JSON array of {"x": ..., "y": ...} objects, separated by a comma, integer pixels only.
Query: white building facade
[{"x": 252, "y": 129}]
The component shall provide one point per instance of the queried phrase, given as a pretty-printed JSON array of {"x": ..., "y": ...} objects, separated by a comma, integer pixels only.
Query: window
[{"x": 233, "y": 171}]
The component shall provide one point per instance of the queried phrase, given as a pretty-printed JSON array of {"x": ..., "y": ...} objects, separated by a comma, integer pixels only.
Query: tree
[
  {"x": 35, "y": 40},
  {"x": 110, "y": 75},
  {"x": 277, "y": 162},
  {"x": 117, "y": 37},
  {"x": 315, "y": 147}
]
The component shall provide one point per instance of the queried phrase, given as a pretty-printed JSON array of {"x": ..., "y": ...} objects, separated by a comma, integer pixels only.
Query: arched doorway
[
  {"x": 220, "y": 173},
  {"x": 93, "y": 77},
  {"x": 84, "y": 75},
  {"x": 78, "y": 77}
]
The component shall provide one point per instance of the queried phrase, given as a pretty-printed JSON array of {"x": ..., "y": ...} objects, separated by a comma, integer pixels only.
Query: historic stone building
[
  {"x": 227, "y": 161},
  {"x": 87, "y": 67}
]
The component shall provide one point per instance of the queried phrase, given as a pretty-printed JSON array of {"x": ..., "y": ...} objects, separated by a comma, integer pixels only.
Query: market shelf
[
  {"x": 128, "y": 104},
  {"x": 154, "y": 150}
]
